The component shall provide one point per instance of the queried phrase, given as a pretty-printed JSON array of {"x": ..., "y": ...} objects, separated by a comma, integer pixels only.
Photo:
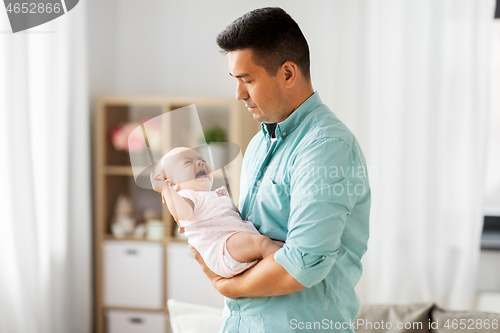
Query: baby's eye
[{"x": 187, "y": 162}]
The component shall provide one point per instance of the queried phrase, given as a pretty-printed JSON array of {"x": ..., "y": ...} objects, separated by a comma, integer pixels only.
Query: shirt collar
[{"x": 287, "y": 126}]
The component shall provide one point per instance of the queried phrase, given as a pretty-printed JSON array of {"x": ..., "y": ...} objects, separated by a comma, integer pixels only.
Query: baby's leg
[{"x": 246, "y": 246}]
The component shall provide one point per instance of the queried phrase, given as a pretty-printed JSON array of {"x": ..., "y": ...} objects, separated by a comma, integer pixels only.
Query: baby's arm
[
  {"x": 181, "y": 208},
  {"x": 246, "y": 246}
]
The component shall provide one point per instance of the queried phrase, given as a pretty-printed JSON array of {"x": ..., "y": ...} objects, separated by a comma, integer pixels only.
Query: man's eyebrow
[{"x": 239, "y": 75}]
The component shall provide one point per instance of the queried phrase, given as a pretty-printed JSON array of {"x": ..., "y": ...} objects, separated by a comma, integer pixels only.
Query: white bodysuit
[{"x": 214, "y": 220}]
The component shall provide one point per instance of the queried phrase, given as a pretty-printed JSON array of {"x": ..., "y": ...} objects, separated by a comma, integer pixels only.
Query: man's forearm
[{"x": 267, "y": 278}]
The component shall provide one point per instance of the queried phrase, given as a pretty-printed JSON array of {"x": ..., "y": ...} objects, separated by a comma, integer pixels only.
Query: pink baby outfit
[{"x": 214, "y": 220}]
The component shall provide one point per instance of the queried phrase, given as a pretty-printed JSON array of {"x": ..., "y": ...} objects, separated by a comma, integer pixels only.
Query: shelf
[
  {"x": 130, "y": 238},
  {"x": 120, "y": 308},
  {"x": 178, "y": 240},
  {"x": 133, "y": 239},
  {"x": 119, "y": 170},
  {"x": 127, "y": 171}
]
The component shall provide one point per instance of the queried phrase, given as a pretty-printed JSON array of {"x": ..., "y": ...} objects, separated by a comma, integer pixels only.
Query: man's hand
[{"x": 267, "y": 278}]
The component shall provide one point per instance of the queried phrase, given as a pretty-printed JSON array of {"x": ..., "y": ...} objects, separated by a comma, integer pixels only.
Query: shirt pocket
[{"x": 273, "y": 207}]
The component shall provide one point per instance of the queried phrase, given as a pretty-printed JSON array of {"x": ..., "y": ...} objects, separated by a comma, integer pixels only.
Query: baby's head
[{"x": 186, "y": 170}]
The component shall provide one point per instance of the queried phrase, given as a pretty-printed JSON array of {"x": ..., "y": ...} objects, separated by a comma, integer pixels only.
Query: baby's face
[{"x": 188, "y": 169}]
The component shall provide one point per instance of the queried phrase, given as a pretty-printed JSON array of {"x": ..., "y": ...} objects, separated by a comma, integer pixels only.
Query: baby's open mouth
[{"x": 201, "y": 174}]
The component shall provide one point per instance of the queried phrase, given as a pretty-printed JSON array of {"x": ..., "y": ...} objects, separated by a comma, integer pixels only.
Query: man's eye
[{"x": 247, "y": 82}]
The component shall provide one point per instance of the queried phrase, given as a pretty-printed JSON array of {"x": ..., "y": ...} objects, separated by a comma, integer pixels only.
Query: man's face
[
  {"x": 188, "y": 170},
  {"x": 263, "y": 94}
]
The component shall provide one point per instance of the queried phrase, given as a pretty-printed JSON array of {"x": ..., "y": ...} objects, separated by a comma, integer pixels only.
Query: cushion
[
  {"x": 193, "y": 318},
  {"x": 464, "y": 321},
  {"x": 394, "y": 318}
]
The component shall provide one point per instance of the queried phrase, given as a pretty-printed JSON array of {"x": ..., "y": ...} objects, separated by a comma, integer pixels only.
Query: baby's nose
[{"x": 199, "y": 162}]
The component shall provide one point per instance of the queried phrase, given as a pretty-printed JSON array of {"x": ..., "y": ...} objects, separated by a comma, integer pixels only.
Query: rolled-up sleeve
[{"x": 325, "y": 184}]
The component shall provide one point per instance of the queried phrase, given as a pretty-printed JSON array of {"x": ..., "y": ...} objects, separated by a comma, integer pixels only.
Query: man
[{"x": 303, "y": 182}]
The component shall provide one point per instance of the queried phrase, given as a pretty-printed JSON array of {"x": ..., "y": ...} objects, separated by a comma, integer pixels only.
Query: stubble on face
[{"x": 263, "y": 95}]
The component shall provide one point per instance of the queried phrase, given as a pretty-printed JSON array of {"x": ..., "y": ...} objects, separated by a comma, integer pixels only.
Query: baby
[{"x": 227, "y": 244}]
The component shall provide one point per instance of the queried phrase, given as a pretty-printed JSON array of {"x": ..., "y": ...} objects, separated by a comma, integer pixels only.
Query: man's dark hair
[{"x": 272, "y": 35}]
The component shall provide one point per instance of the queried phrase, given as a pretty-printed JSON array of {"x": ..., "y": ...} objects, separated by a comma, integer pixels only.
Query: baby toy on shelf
[
  {"x": 155, "y": 229},
  {"x": 123, "y": 223}
]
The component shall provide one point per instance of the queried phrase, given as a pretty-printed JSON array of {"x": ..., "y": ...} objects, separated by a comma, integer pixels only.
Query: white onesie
[{"x": 214, "y": 220}]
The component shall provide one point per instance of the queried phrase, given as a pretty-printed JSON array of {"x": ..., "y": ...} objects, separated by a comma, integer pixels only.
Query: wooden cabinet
[
  {"x": 136, "y": 322},
  {"x": 129, "y": 271},
  {"x": 187, "y": 283}
]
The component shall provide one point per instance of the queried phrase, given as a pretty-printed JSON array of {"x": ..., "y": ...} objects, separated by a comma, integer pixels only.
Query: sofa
[{"x": 421, "y": 318}]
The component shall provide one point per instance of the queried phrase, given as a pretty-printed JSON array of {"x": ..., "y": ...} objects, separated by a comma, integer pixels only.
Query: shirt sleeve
[
  {"x": 193, "y": 196},
  {"x": 325, "y": 184}
]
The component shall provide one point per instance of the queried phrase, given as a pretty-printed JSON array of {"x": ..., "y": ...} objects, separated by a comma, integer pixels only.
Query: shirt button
[
  {"x": 258, "y": 183},
  {"x": 323, "y": 258},
  {"x": 284, "y": 134},
  {"x": 234, "y": 312},
  {"x": 250, "y": 216}
]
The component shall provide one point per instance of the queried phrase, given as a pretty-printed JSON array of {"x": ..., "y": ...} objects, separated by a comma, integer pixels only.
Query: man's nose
[{"x": 241, "y": 92}]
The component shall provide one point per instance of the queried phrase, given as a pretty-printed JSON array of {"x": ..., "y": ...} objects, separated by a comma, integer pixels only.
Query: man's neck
[
  {"x": 271, "y": 128},
  {"x": 302, "y": 97},
  {"x": 299, "y": 96}
]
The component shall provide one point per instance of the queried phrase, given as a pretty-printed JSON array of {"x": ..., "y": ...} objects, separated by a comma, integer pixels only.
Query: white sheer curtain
[
  {"x": 411, "y": 79},
  {"x": 45, "y": 211}
]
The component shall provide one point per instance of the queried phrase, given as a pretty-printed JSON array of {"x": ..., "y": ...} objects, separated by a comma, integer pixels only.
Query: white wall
[
  {"x": 492, "y": 179},
  {"x": 168, "y": 47}
]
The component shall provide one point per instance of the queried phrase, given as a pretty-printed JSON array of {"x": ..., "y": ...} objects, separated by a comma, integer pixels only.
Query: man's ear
[{"x": 290, "y": 71}]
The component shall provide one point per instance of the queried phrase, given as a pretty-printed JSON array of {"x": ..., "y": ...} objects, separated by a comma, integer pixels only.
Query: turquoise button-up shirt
[{"x": 310, "y": 189}]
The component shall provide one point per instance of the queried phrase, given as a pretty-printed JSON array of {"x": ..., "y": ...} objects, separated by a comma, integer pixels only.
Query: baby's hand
[
  {"x": 170, "y": 183},
  {"x": 158, "y": 182},
  {"x": 221, "y": 191}
]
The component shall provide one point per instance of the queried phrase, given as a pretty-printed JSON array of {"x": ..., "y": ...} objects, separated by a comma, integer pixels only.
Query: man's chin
[{"x": 258, "y": 117}]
